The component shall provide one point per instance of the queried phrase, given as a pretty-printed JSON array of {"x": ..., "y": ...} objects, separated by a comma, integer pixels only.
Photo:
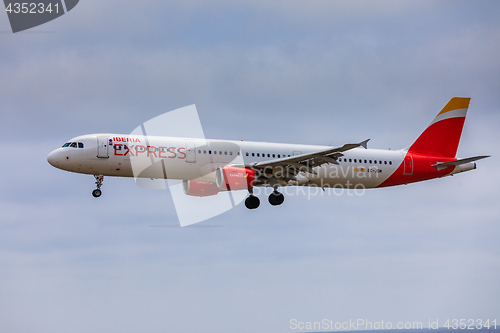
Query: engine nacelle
[
  {"x": 199, "y": 188},
  {"x": 234, "y": 178}
]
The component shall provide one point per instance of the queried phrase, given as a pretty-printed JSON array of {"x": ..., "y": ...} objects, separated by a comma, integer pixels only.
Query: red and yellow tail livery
[
  {"x": 433, "y": 154},
  {"x": 442, "y": 136}
]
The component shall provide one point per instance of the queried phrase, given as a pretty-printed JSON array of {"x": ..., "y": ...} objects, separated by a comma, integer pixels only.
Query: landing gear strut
[
  {"x": 276, "y": 198},
  {"x": 252, "y": 201},
  {"x": 98, "y": 181}
]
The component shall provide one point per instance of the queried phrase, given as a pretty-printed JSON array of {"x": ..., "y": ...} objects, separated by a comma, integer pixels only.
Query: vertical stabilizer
[{"x": 442, "y": 136}]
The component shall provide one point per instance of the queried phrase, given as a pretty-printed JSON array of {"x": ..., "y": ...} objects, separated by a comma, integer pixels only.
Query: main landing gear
[
  {"x": 276, "y": 198},
  {"x": 252, "y": 202},
  {"x": 98, "y": 181}
]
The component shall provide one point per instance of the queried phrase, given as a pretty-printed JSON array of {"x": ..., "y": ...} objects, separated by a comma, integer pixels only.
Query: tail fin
[{"x": 442, "y": 136}]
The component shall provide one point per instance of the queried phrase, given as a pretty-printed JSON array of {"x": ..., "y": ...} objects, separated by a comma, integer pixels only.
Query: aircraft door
[
  {"x": 190, "y": 151},
  {"x": 408, "y": 165},
  {"x": 102, "y": 147}
]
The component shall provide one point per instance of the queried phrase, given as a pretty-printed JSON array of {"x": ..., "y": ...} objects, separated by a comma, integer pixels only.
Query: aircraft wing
[{"x": 306, "y": 162}]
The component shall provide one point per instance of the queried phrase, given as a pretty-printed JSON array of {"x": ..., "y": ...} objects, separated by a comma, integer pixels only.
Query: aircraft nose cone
[{"x": 52, "y": 159}]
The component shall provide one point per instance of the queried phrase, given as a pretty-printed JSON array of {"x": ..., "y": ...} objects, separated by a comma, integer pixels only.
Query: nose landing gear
[{"x": 98, "y": 181}]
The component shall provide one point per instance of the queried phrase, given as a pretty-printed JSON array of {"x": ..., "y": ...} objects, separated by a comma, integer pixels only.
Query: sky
[{"x": 310, "y": 72}]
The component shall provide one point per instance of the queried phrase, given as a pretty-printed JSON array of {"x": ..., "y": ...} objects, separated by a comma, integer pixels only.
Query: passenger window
[
  {"x": 204, "y": 152},
  {"x": 279, "y": 156},
  {"x": 231, "y": 153},
  {"x": 274, "y": 156},
  {"x": 80, "y": 144},
  {"x": 215, "y": 152},
  {"x": 220, "y": 153},
  {"x": 253, "y": 154},
  {"x": 210, "y": 152},
  {"x": 355, "y": 161},
  {"x": 390, "y": 163},
  {"x": 258, "y": 155},
  {"x": 268, "y": 155},
  {"x": 385, "y": 162},
  {"x": 247, "y": 154},
  {"x": 225, "y": 153},
  {"x": 350, "y": 160},
  {"x": 370, "y": 161},
  {"x": 199, "y": 151},
  {"x": 375, "y": 162}
]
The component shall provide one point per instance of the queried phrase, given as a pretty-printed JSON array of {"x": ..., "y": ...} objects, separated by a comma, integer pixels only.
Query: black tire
[
  {"x": 252, "y": 202},
  {"x": 96, "y": 193},
  {"x": 276, "y": 198}
]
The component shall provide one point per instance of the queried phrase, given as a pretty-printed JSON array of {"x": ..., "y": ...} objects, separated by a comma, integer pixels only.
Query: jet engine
[
  {"x": 234, "y": 178},
  {"x": 199, "y": 188}
]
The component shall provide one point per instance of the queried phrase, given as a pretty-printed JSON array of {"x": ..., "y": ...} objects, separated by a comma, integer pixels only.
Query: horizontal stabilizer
[{"x": 441, "y": 166}]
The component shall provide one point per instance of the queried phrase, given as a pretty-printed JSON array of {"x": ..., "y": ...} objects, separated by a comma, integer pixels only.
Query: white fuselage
[{"x": 187, "y": 159}]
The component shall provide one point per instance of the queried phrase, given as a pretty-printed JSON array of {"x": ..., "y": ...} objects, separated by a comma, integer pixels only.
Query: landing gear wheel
[
  {"x": 276, "y": 198},
  {"x": 252, "y": 202},
  {"x": 98, "y": 182}
]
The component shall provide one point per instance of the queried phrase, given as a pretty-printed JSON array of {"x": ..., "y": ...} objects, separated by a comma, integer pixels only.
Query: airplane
[{"x": 207, "y": 167}]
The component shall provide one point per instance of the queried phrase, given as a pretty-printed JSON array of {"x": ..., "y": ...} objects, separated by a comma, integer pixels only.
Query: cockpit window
[{"x": 73, "y": 144}]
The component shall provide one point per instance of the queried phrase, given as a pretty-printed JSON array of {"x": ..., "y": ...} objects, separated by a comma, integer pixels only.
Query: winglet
[{"x": 364, "y": 143}]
